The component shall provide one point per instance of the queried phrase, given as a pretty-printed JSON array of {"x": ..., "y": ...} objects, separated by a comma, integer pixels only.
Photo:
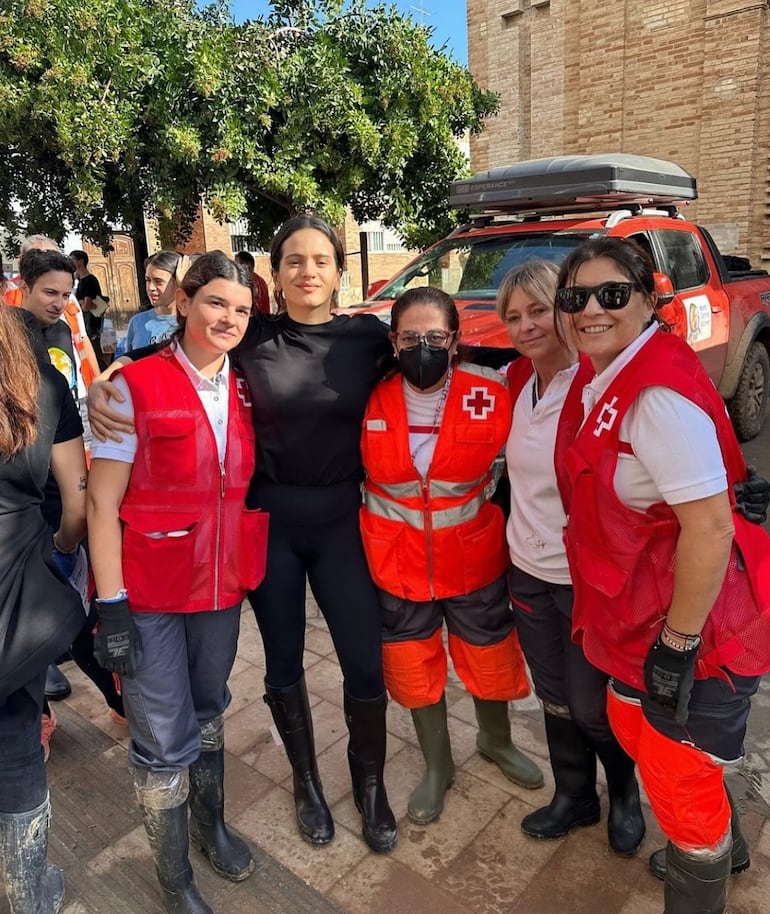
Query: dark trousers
[
  {"x": 314, "y": 534},
  {"x": 23, "y": 783},
  {"x": 561, "y": 674},
  {"x": 180, "y": 684}
]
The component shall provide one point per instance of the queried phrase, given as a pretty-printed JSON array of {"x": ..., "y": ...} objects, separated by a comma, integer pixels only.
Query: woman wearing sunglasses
[
  {"x": 669, "y": 597},
  {"x": 434, "y": 542},
  {"x": 573, "y": 691}
]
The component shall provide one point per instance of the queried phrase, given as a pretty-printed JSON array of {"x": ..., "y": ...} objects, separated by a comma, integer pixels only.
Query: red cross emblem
[
  {"x": 242, "y": 389},
  {"x": 479, "y": 402}
]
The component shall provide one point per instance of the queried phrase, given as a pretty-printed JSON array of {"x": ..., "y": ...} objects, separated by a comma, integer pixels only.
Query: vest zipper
[
  {"x": 219, "y": 534},
  {"x": 428, "y": 535}
]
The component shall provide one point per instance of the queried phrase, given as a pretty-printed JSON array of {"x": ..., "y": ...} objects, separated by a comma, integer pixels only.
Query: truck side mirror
[
  {"x": 664, "y": 289},
  {"x": 375, "y": 287}
]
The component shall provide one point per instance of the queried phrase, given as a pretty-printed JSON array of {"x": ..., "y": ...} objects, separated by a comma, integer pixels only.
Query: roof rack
[{"x": 575, "y": 184}]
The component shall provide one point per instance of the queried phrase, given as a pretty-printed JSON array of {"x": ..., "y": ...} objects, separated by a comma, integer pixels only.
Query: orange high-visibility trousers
[{"x": 684, "y": 785}]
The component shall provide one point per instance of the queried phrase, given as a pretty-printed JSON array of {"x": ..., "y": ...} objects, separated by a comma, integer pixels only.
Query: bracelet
[
  {"x": 118, "y": 598},
  {"x": 679, "y": 641},
  {"x": 58, "y": 548}
]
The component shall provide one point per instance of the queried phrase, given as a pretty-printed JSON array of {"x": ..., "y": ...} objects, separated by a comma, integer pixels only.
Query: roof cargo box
[{"x": 568, "y": 184}]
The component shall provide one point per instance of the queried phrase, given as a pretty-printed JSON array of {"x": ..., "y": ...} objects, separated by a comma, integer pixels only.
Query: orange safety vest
[
  {"x": 439, "y": 537},
  {"x": 189, "y": 543},
  {"x": 622, "y": 560}
]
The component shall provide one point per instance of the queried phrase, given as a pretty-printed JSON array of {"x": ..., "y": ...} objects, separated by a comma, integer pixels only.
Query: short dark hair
[
  {"x": 630, "y": 258},
  {"x": 425, "y": 295},
  {"x": 245, "y": 259},
  {"x": 80, "y": 255},
  {"x": 35, "y": 263}
]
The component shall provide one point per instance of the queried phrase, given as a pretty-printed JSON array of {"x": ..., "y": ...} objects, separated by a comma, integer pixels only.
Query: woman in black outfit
[
  {"x": 309, "y": 375},
  {"x": 39, "y": 612}
]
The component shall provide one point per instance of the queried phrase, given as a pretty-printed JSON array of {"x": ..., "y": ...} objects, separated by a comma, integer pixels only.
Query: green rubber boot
[
  {"x": 427, "y": 799},
  {"x": 494, "y": 744}
]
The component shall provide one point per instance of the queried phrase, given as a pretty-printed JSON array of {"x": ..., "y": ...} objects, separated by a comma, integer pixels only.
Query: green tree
[{"x": 116, "y": 108}]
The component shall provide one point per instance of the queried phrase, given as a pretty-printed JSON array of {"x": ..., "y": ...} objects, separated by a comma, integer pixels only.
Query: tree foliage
[{"x": 116, "y": 108}]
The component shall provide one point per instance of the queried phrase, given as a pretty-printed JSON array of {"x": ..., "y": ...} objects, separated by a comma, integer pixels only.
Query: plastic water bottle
[{"x": 108, "y": 338}]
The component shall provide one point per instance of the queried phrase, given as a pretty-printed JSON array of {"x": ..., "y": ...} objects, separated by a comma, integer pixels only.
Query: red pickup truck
[{"x": 547, "y": 207}]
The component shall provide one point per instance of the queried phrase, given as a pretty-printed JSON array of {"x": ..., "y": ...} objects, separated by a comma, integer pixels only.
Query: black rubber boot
[
  {"x": 57, "y": 686},
  {"x": 625, "y": 823},
  {"x": 575, "y": 802},
  {"x": 291, "y": 713},
  {"x": 169, "y": 843},
  {"x": 740, "y": 860},
  {"x": 228, "y": 854},
  {"x": 366, "y": 757},
  {"x": 494, "y": 744},
  {"x": 694, "y": 886},
  {"x": 427, "y": 800},
  {"x": 32, "y": 884}
]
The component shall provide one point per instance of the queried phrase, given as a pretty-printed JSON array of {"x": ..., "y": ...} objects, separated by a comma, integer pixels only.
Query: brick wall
[{"x": 675, "y": 79}]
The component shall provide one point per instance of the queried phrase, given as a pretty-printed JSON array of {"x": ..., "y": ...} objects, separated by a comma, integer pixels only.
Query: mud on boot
[{"x": 426, "y": 802}]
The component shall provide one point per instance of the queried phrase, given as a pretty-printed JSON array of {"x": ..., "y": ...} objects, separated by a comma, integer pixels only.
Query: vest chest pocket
[
  {"x": 172, "y": 456},
  {"x": 158, "y": 556}
]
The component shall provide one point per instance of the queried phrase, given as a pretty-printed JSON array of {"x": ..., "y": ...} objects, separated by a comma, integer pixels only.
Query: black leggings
[{"x": 314, "y": 532}]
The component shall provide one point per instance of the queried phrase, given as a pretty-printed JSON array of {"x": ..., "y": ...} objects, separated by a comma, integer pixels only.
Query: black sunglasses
[{"x": 612, "y": 296}]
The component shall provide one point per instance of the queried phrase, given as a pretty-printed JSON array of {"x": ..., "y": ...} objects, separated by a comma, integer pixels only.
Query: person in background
[
  {"x": 46, "y": 285},
  {"x": 260, "y": 294},
  {"x": 86, "y": 292},
  {"x": 671, "y": 582},
  {"x": 174, "y": 551},
  {"x": 39, "y": 612},
  {"x": 309, "y": 374},
  {"x": 157, "y": 325},
  {"x": 435, "y": 542},
  {"x": 573, "y": 691}
]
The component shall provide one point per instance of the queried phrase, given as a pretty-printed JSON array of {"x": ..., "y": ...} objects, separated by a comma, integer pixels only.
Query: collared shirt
[
  {"x": 536, "y": 522},
  {"x": 213, "y": 394},
  {"x": 676, "y": 455}
]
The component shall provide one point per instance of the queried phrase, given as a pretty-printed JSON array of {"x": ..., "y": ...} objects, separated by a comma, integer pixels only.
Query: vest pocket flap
[
  {"x": 599, "y": 571},
  {"x": 157, "y": 524},
  {"x": 171, "y": 426}
]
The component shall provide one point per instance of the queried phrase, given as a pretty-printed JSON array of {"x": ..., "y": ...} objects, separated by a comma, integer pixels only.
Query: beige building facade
[{"x": 684, "y": 80}]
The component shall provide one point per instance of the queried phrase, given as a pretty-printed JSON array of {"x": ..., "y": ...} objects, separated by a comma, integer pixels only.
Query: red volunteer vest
[
  {"x": 441, "y": 537},
  {"x": 622, "y": 560},
  {"x": 189, "y": 544}
]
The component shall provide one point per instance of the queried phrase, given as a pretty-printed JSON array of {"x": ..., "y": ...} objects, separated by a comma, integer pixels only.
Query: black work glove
[
  {"x": 752, "y": 497},
  {"x": 117, "y": 646},
  {"x": 668, "y": 677}
]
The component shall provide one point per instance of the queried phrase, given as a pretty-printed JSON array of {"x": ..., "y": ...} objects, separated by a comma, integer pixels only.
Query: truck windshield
[{"x": 473, "y": 266}]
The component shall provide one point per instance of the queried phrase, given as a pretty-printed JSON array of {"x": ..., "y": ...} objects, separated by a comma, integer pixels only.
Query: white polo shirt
[
  {"x": 213, "y": 394},
  {"x": 676, "y": 456}
]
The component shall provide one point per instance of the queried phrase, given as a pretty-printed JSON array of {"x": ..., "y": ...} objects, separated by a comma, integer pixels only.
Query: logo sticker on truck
[{"x": 698, "y": 310}]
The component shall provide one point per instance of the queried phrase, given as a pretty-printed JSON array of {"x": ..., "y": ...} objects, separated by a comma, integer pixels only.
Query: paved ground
[{"x": 475, "y": 860}]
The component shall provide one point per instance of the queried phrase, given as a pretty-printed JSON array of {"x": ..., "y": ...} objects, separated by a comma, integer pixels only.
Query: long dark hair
[
  {"x": 296, "y": 224},
  {"x": 167, "y": 261},
  {"x": 205, "y": 269},
  {"x": 19, "y": 384}
]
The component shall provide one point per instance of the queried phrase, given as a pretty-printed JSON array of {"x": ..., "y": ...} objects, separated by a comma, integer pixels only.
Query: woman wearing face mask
[
  {"x": 573, "y": 691},
  {"x": 435, "y": 542},
  {"x": 309, "y": 374},
  {"x": 672, "y": 584},
  {"x": 160, "y": 278}
]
